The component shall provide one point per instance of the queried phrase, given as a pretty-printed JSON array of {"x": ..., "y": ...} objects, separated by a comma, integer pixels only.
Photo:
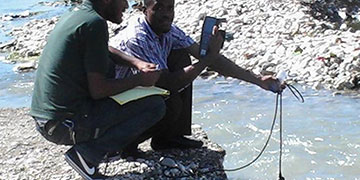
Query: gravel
[{"x": 25, "y": 154}]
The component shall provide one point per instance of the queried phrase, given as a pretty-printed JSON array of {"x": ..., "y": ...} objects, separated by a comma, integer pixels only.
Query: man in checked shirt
[{"x": 155, "y": 39}]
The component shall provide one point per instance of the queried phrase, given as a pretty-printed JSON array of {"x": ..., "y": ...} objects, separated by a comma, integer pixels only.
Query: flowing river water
[{"x": 321, "y": 136}]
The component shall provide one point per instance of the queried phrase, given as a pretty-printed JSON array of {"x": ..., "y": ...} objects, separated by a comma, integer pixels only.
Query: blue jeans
[{"x": 119, "y": 125}]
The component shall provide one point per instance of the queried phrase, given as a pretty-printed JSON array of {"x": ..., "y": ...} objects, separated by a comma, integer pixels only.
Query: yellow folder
[{"x": 137, "y": 93}]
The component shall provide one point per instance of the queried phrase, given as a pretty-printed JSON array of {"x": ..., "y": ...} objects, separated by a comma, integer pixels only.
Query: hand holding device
[
  {"x": 207, "y": 32},
  {"x": 280, "y": 85}
]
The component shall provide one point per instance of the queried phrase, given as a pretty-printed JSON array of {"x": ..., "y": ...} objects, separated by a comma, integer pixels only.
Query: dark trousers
[
  {"x": 177, "y": 119},
  {"x": 119, "y": 126}
]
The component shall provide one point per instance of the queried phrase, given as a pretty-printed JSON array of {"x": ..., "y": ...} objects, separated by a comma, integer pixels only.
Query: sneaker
[
  {"x": 179, "y": 142},
  {"x": 87, "y": 170}
]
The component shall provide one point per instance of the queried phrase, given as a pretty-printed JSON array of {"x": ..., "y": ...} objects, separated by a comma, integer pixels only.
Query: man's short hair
[
  {"x": 147, "y": 3},
  {"x": 95, "y": 2}
]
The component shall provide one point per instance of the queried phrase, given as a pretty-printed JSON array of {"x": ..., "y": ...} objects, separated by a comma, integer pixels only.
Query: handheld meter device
[{"x": 206, "y": 33}]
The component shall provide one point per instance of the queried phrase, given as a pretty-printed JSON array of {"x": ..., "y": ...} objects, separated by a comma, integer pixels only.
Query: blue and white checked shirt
[{"x": 138, "y": 40}]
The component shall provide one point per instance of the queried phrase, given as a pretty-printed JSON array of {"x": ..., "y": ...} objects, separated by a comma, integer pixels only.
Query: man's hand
[
  {"x": 123, "y": 59},
  {"x": 145, "y": 66},
  {"x": 148, "y": 78},
  {"x": 272, "y": 84},
  {"x": 101, "y": 87},
  {"x": 216, "y": 41}
]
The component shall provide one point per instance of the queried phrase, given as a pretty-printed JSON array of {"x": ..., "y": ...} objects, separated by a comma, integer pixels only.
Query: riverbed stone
[
  {"x": 265, "y": 32},
  {"x": 27, "y": 155}
]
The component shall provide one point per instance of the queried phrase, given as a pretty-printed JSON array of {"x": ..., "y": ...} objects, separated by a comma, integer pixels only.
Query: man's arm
[
  {"x": 226, "y": 67},
  {"x": 123, "y": 59},
  {"x": 101, "y": 87},
  {"x": 174, "y": 81}
]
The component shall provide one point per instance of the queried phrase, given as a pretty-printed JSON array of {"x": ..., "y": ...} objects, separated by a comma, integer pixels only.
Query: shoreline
[
  {"x": 27, "y": 155},
  {"x": 268, "y": 38}
]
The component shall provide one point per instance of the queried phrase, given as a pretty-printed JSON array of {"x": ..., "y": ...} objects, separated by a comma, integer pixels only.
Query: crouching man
[{"x": 71, "y": 104}]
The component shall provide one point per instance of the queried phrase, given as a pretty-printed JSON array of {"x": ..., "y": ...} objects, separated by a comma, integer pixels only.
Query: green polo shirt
[{"x": 77, "y": 45}]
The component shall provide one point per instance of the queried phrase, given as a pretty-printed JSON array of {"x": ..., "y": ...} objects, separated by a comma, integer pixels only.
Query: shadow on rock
[
  {"x": 335, "y": 11},
  {"x": 202, "y": 163}
]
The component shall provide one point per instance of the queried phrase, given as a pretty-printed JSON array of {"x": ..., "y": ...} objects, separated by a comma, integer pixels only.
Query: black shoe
[
  {"x": 133, "y": 151},
  {"x": 179, "y": 142},
  {"x": 111, "y": 157},
  {"x": 84, "y": 168}
]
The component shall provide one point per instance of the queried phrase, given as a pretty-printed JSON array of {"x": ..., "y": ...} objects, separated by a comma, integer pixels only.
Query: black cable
[
  {"x": 299, "y": 97},
  {"x": 266, "y": 143},
  {"x": 281, "y": 140}
]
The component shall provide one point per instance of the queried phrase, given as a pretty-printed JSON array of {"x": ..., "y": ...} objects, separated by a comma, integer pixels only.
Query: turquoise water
[
  {"x": 15, "y": 89},
  {"x": 20, "y": 6},
  {"x": 321, "y": 137}
]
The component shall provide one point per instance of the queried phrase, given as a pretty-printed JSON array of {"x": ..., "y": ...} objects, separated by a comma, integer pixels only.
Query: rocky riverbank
[
  {"x": 25, "y": 154},
  {"x": 269, "y": 36}
]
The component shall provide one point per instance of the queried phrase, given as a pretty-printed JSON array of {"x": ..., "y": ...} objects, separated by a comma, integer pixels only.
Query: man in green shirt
[{"x": 71, "y": 103}]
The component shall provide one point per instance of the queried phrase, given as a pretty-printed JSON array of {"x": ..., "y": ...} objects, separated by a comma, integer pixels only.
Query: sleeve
[
  {"x": 142, "y": 49},
  {"x": 181, "y": 40},
  {"x": 96, "y": 55}
]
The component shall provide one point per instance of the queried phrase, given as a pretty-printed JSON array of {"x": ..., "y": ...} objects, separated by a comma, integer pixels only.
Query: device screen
[
  {"x": 209, "y": 24},
  {"x": 206, "y": 34}
]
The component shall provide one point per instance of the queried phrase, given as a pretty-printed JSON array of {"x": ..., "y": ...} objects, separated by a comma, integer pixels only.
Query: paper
[{"x": 137, "y": 93}]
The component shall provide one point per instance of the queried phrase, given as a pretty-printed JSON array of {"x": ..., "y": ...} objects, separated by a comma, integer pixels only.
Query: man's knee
[
  {"x": 178, "y": 58},
  {"x": 173, "y": 109},
  {"x": 157, "y": 106},
  {"x": 55, "y": 132}
]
